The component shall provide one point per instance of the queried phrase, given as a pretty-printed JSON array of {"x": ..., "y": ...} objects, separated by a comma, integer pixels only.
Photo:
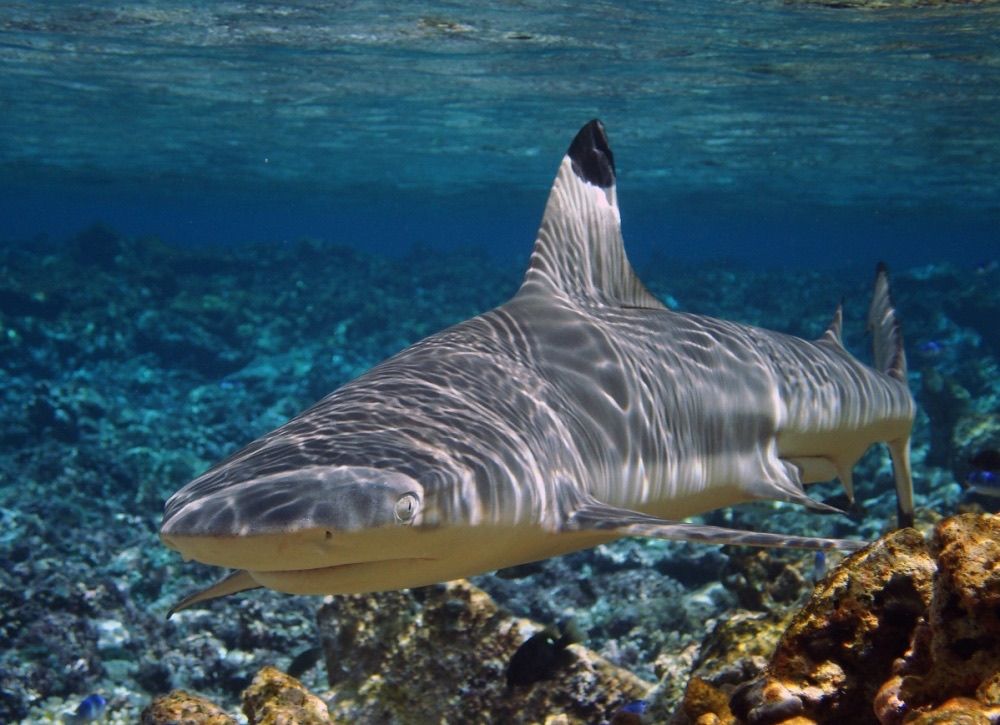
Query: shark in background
[{"x": 580, "y": 411}]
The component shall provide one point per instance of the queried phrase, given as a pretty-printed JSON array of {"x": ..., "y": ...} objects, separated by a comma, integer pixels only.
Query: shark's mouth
[
  {"x": 341, "y": 567},
  {"x": 353, "y": 577}
]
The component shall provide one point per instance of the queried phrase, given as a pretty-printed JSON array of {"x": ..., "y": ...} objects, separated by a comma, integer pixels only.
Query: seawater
[
  {"x": 776, "y": 133},
  {"x": 769, "y": 153}
]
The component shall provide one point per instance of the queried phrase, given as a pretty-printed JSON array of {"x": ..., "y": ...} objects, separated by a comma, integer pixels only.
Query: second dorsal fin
[
  {"x": 833, "y": 332},
  {"x": 579, "y": 251}
]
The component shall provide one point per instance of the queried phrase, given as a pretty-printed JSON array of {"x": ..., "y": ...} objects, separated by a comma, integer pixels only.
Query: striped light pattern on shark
[{"x": 580, "y": 411}]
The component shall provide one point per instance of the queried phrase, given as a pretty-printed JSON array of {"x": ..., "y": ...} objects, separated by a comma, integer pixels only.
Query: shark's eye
[{"x": 406, "y": 507}]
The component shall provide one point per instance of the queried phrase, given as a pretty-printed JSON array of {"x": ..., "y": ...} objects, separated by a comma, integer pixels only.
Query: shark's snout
[{"x": 309, "y": 506}]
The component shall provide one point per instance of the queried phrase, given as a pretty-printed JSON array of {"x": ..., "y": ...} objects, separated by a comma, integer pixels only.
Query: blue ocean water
[
  {"x": 300, "y": 160},
  {"x": 778, "y": 133}
]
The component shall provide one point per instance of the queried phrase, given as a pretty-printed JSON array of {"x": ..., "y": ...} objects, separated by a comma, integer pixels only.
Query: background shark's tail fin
[
  {"x": 887, "y": 336},
  {"x": 887, "y": 341}
]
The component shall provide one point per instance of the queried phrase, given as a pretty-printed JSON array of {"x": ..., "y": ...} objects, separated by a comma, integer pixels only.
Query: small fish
[
  {"x": 984, "y": 478},
  {"x": 521, "y": 570},
  {"x": 819, "y": 566},
  {"x": 542, "y": 654},
  {"x": 304, "y": 661},
  {"x": 90, "y": 709},
  {"x": 930, "y": 348},
  {"x": 983, "y": 483},
  {"x": 988, "y": 459},
  {"x": 631, "y": 713},
  {"x": 852, "y": 509}
]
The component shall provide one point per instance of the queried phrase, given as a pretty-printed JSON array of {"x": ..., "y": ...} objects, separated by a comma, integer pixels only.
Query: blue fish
[
  {"x": 819, "y": 566},
  {"x": 984, "y": 478},
  {"x": 930, "y": 348},
  {"x": 984, "y": 483},
  {"x": 636, "y": 706},
  {"x": 90, "y": 709},
  {"x": 631, "y": 713}
]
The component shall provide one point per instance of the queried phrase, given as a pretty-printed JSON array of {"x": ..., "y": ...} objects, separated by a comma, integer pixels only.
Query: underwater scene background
[{"x": 213, "y": 214}]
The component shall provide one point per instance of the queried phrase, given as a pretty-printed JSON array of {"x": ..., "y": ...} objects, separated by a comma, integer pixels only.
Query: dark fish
[
  {"x": 521, "y": 570},
  {"x": 852, "y": 509},
  {"x": 542, "y": 654},
  {"x": 304, "y": 661},
  {"x": 988, "y": 459}
]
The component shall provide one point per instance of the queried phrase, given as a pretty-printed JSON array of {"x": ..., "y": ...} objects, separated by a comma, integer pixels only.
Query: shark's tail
[
  {"x": 887, "y": 342},
  {"x": 887, "y": 336}
]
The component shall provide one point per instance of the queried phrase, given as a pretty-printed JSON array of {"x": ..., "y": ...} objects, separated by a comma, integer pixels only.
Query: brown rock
[
  {"x": 965, "y": 611},
  {"x": 902, "y": 632},
  {"x": 840, "y": 648},
  {"x": 706, "y": 704},
  {"x": 440, "y": 654},
  {"x": 958, "y": 711},
  {"x": 275, "y": 698},
  {"x": 183, "y": 708},
  {"x": 956, "y": 654}
]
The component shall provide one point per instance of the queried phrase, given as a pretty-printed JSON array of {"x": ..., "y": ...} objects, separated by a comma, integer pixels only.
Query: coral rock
[
  {"x": 902, "y": 632},
  {"x": 957, "y": 653},
  {"x": 958, "y": 711},
  {"x": 440, "y": 653},
  {"x": 183, "y": 708},
  {"x": 840, "y": 648},
  {"x": 275, "y": 698},
  {"x": 706, "y": 704}
]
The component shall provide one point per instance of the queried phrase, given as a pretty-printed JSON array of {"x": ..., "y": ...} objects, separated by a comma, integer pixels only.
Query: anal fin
[{"x": 820, "y": 468}]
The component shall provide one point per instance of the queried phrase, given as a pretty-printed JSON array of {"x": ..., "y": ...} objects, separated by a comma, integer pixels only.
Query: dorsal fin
[
  {"x": 833, "y": 331},
  {"x": 579, "y": 251}
]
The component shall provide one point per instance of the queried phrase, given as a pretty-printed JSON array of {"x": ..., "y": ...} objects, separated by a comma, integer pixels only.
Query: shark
[{"x": 580, "y": 411}]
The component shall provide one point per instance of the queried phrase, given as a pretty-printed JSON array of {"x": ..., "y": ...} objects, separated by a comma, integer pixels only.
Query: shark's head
[
  {"x": 312, "y": 506},
  {"x": 327, "y": 529},
  {"x": 360, "y": 523}
]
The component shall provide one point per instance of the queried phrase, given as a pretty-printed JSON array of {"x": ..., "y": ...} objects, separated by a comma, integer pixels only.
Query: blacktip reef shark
[{"x": 580, "y": 411}]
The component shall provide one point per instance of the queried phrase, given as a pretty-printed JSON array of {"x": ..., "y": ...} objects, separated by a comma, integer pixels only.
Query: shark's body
[{"x": 580, "y": 411}]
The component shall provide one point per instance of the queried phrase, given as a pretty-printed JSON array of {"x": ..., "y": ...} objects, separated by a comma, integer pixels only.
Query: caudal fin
[
  {"x": 887, "y": 336},
  {"x": 887, "y": 342}
]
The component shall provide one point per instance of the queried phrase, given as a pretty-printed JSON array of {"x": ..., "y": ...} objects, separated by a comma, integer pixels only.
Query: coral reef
[
  {"x": 184, "y": 708},
  {"x": 954, "y": 652},
  {"x": 904, "y": 626},
  {"x": 903, "y": 631},
  {"x": 436, "y": 654},
  {"x": 440, "y": 653},
  {"x": 274, "y": 698},
  {"x": 130, "y": 365}
]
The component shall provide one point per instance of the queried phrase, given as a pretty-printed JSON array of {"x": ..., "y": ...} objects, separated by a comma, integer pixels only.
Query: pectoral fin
[
  {"x": 238, "y": 581},
  {"x": 597, "y": 516}
]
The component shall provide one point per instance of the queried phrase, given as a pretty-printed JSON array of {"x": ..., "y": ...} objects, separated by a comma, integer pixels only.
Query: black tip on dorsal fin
[
  {"x": 591, "y": 156},
  {"x": 579, "y": 251}
]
